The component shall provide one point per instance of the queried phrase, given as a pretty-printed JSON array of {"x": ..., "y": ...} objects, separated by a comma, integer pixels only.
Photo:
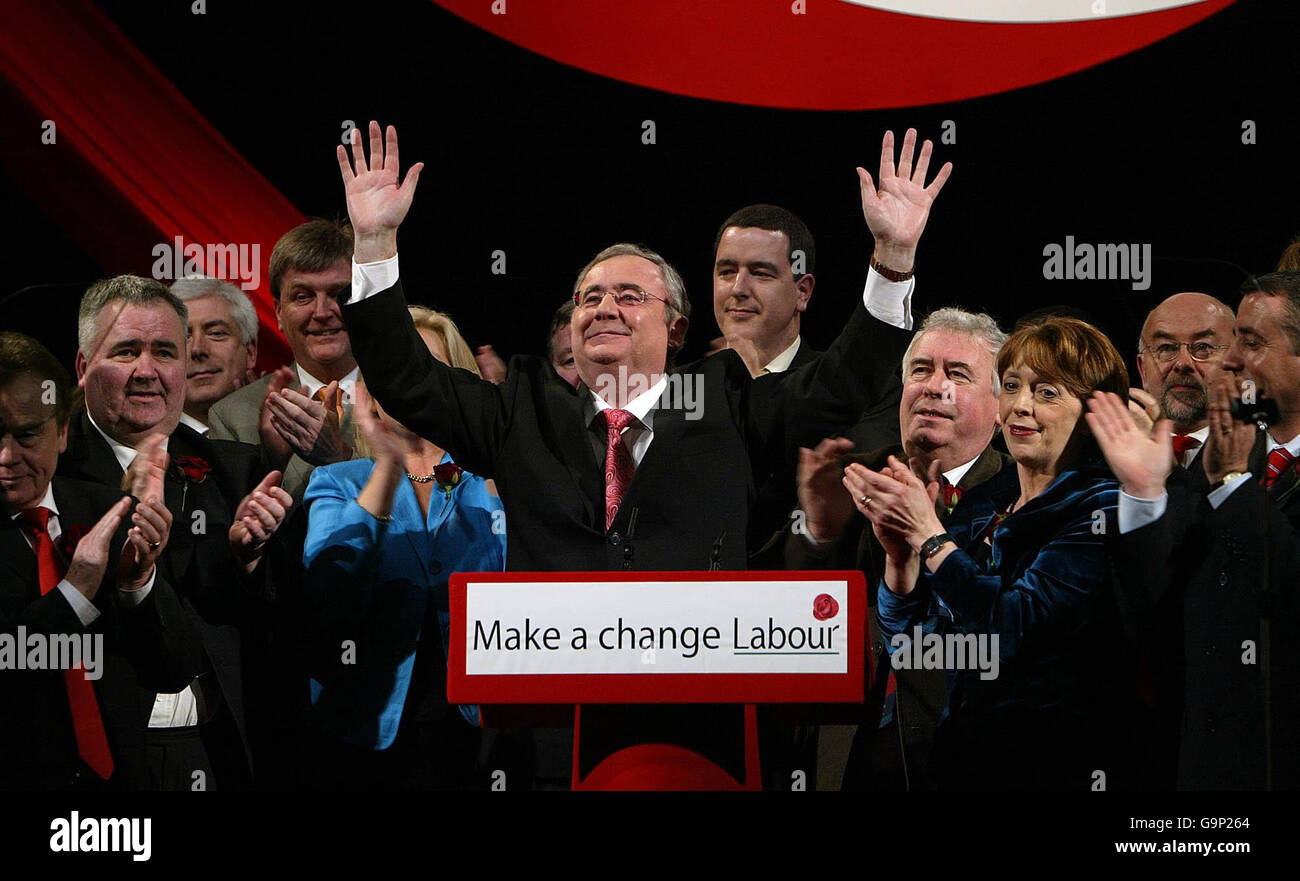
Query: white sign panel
[{"x": 656, "y": 627}]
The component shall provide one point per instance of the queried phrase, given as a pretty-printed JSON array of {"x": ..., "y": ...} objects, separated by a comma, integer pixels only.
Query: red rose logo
[{"x": 825, "y": 607}]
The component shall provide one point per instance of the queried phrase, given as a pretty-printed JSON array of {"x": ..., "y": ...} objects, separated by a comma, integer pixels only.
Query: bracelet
[
  {"x": 891, "y": 274},
  {"x": 933, "y": 544},
  {"x": 386, "y": 518}
]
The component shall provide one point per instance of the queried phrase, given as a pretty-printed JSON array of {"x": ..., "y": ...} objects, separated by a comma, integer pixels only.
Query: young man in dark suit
[
  {"x": 678, "y": 481},
  {"x": 70, "y": 568},
  {"x": 1206, "y": 569},
  {"x": 131, "y": 362},
  {"x": 947, "y": 418}
]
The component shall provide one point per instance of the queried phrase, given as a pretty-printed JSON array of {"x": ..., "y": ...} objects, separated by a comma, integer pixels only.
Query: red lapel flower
[
  {"x": 72, "y": 534},
  {"x": 447, "y": 474},
  {"x": 192, "y": 468}
]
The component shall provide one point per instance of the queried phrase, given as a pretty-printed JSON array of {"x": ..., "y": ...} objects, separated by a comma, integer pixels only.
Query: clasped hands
[
  {"x": 292, "y": 422},
  {"x": 899, "y": 504}
]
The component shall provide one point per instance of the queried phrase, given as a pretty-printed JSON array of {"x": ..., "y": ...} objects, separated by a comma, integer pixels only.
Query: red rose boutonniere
[
  {"x": 447, "y": 475},
  {"x": 72, "y": 534},
  {"x": 192, "y": 468}
]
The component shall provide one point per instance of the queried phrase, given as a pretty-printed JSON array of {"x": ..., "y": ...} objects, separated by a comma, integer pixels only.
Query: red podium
[{"x": 658, "y": 638}]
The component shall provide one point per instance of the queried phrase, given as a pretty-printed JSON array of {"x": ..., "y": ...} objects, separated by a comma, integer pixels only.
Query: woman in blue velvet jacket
[
  {"x": 1018, "y": 581},
  {"x": 384, "y": 535}
]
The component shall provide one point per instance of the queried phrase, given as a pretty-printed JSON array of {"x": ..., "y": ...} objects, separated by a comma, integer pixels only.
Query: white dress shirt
[
  {"x": 187, "y": 419},
  {"x": 311, "y": 385},
  {"x": 781, "y": 363}
]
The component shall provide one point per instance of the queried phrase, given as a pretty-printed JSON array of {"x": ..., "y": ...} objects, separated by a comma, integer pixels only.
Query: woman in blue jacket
[
  {"x": 1013, "y": 596},
  {"x": 384, "y": 535}
]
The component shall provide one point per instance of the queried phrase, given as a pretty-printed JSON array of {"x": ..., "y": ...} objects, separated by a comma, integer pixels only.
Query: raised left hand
[{"x": 897, "y": 211}]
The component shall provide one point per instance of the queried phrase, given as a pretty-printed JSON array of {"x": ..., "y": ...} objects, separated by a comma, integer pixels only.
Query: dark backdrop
[{"x": 546, "y": 163}]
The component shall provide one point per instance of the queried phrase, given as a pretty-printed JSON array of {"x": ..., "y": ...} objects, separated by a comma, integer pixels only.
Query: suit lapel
[
  {"x": 563, "y": 415},
  {"x": 89, "y": 456},
  {"x": 656, "y": 469},
  {"x": 412, "y": 523},
  {"x": 988, "y": 464}
]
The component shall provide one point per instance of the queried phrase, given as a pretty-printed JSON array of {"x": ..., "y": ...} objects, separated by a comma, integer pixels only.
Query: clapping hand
[
  {"x": 257, "y": 518},
  {"x": 1140, "y": 457}
]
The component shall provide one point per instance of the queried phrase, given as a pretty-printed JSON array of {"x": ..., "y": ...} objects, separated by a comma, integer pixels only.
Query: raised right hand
[
  {"x": 1140, "y": 459},
  {"x": 377, "y": 202}
]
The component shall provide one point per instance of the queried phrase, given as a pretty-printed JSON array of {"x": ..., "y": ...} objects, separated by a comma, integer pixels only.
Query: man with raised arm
[{"x": 615, "y": 474}]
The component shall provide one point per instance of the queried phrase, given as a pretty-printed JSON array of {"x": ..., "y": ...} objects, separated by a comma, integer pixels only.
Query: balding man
[{"x": 1180, "y": 357}]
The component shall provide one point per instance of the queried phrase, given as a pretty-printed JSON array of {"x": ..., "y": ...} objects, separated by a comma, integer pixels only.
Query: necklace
[{"x": 425, "y": 479}]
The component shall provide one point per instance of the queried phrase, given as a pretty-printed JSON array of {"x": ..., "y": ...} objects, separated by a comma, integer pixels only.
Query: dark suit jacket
[
  {"x": 874, "y": 429},
  {"x": 1191, "y": 590},
  {"x": 688, "y": 505},
  {"x": 691, "y": 495},
  {"x": 151, "y": 644},
  {"x": 220, "y": 599}
]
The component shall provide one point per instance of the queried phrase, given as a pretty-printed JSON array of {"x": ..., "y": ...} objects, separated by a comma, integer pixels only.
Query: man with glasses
[
  {"x": 1180, "y": 357},
  {"x": 616, "y": 474}
]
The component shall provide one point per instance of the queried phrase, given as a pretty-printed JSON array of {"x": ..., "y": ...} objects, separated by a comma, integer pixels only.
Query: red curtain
[{"x": 134, "y": 164}]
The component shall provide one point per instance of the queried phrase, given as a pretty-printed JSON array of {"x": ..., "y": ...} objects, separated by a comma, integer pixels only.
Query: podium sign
[{"x": 657, "y": 637}]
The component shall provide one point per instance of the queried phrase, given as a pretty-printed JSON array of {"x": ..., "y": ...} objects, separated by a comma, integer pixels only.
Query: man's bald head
[{"x": 1182, "y": 324}]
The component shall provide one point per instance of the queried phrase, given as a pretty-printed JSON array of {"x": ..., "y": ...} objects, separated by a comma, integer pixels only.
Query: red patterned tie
[
  {"x": 92, "y": 742},
  {"x": 1278, "y": 462},
  {"x": 1182, "y": 444},
  {"x": 618, "y": 462}
]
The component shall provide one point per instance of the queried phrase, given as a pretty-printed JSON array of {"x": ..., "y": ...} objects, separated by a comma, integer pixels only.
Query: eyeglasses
[
  {"x": 1166, "y": 352},
  {"x": 627, "y": 296}
]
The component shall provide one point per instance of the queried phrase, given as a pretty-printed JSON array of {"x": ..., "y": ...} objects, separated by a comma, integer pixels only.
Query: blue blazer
[{"x": 371, "y": 583}]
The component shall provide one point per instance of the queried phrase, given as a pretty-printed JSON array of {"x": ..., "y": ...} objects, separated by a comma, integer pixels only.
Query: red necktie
[
  {"x": 1183, "y": 443},
  {"x": 618, "y": 462},
  {"x": 92, "y": 742},
  {"x": 1278, "y": 461}
]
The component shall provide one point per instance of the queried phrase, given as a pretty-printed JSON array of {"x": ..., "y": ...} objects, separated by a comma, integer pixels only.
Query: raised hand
[
  {"x": 257, "y": 518},
  {"x": 826, "y": 504},
  {"x": 1141, "y": 459},
  {"x": 145, "y": 542},
  {"x": 377, "y": 201},
  {"x": 896, "y": 211},
  {"x": 277, "y": 449},
  {"x": 1228, "y": 445},
  {"x": 384, "y": 444},
  {"x": 90, "y": 559},
  {"x": 311, "y": 428},
  {"x": 144, "y": 477}
]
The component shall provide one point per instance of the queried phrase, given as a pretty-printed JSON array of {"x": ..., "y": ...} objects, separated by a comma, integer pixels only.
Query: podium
[{"x": 668, "y": 666}]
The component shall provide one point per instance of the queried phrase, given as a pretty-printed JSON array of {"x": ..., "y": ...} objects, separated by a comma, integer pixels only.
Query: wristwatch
[
  {"x": 890, "y": 274},
  {"x": 933, "y": 544},
  {"x": 1228, "y": 478}
]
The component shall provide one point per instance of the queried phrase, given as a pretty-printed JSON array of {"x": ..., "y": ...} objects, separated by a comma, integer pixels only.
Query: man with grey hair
[
  {"x": 613, "y": 474},
  {"x": 222, "y": 344},
  {"x": 131, "y": 363},
  {"x": 947, "y": 417}
]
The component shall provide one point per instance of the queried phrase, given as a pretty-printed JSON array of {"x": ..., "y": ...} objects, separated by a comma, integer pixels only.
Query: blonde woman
[{"x": 384, "y": 535}]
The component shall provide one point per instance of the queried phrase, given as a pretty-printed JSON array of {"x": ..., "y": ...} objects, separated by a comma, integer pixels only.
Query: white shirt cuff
[
  {"x": 371, "y": 278},
  {"x": 85, "y": 610},
  {"x": 890, "y": 301},
  {"x": 1134, "y": 513},
  {"x": 1219, "y": 496},
  {"x": 133, "y": 598}
]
